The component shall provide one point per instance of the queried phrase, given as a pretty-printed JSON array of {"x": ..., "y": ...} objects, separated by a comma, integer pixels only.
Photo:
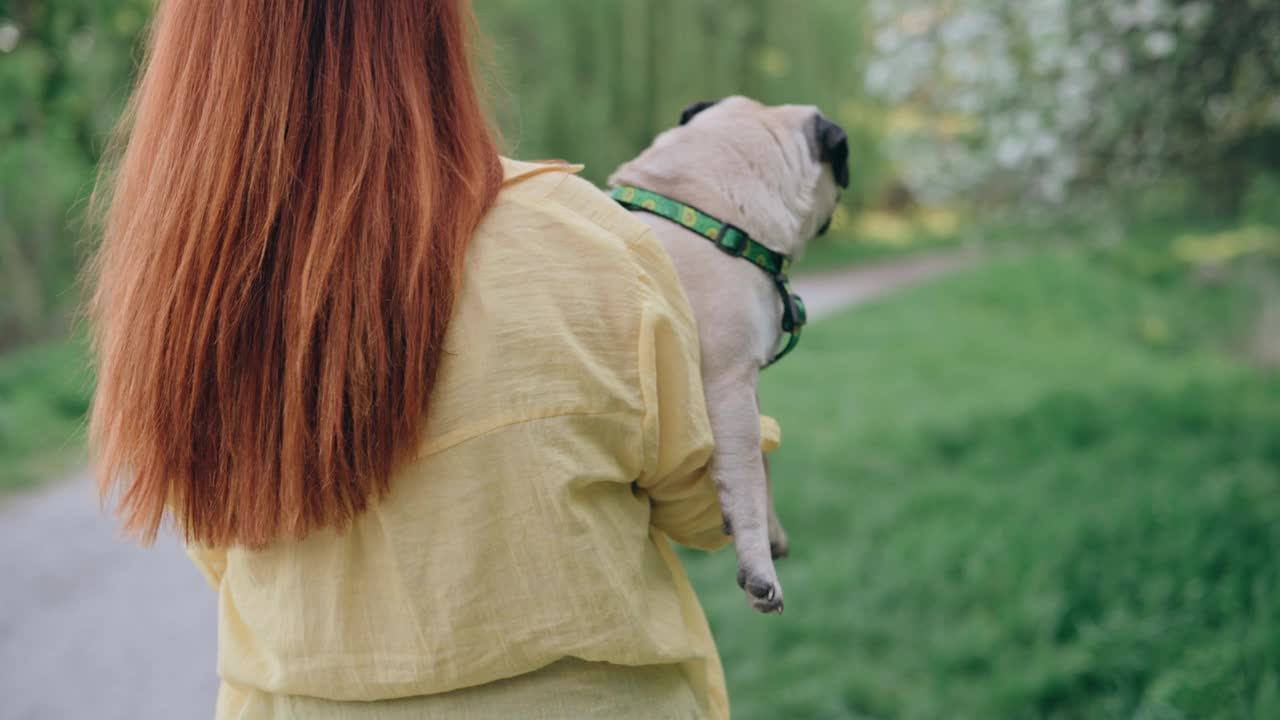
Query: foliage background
[
  {"x": 589, "y": 80},
  {"x": 955, "y": 107},
  {"x": 64, "y": 73}
]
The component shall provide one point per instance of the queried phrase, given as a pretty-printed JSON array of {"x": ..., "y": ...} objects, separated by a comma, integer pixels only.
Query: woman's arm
[{"x": 677, "y": 433}]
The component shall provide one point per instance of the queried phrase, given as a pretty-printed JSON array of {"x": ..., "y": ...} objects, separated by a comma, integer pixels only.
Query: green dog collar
[{"x": 732, "y": 240}]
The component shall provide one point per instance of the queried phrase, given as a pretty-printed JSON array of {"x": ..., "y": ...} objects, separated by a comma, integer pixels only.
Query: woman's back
[{"x": 516, "y": 539}]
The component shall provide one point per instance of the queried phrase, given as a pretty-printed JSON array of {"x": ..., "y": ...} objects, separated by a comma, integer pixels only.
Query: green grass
[
  {"x": 44, "y": 393},
  {"x": 1036, "y": 490}
]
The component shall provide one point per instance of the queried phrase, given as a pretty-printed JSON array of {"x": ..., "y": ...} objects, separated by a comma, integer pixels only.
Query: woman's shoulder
[
  {"x": 552, "y": 196},
  {"x": 558, "y": 215},
  {"x": 552, "y": 304}
]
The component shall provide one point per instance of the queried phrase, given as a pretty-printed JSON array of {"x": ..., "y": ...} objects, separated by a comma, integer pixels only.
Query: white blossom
[
  {"x": 1115, "y": 61},
  {"x": 1010, "y": 151},
  {"x": 1147, "y": 12},
  {"x": 1159, "y": 44},
  {"x": 9, "y": 36},
  {"x": 1036, "y": 80},
  {"x": 1193, "y": 16}
]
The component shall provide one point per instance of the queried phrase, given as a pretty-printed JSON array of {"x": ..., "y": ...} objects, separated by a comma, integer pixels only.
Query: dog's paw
[{"x": 763, "y": 594}]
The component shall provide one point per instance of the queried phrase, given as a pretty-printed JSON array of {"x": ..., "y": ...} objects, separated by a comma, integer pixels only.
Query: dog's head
[{"x": 814, "y": 150}]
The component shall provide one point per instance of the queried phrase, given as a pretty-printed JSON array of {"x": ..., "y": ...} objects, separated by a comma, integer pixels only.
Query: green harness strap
[{"x": 731, "y": 240}]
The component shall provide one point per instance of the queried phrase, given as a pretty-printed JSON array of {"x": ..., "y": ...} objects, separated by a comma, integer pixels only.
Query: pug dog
[{"x": 776, "y": 174}]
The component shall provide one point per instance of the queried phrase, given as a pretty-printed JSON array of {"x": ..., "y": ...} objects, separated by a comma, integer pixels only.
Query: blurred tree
[
  {"x": 1046, "y": 96},
  {"x": 64, "y": 68},
  {"x": 594, "y": 80},
  {"x": 585, "y": 80}
]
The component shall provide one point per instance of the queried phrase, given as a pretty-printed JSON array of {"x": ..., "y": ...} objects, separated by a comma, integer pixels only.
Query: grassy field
[
  {"x": 44, "y": 393},
  {"x": 1037, "y": 490}
]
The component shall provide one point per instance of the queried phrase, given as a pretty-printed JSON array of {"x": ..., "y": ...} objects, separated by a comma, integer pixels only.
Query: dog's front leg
[
  {"x": 737, "y": 468},
  {"x": 779, "y": 546}
]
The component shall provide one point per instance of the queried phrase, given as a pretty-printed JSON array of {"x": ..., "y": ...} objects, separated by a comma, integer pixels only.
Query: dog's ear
[
  {"x": 832, "y": 144},
  {"x": 694, "y": 109}
]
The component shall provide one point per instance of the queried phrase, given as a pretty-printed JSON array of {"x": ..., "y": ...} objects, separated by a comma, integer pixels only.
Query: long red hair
[{"x": 283, "y": 240}]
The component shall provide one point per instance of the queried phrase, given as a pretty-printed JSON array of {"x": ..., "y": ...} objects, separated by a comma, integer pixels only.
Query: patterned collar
[{"x": 732, "y": 240}]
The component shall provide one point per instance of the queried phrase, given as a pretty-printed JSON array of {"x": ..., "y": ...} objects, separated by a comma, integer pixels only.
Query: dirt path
[
  {"x": 95, "y": 627},
  {"x": 825, "y": 293}
]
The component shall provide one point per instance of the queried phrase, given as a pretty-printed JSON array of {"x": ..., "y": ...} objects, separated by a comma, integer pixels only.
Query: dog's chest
[{"x": 735, "y": 304}]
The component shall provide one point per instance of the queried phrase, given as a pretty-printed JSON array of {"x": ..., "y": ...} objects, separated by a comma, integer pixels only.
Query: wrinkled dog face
[{"x": 804, "y": 154}]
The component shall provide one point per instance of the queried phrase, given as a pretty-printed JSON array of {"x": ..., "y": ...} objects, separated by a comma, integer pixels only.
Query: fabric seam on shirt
[
  {"x": 453, "y": 438},
  {"x": 646, "y": 369}
]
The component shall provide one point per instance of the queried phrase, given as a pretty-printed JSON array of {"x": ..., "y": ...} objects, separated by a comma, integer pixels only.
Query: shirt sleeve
[{"x": 677, "y": 432}]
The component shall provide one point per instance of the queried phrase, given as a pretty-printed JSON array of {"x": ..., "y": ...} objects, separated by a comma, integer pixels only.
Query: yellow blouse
[{"x": 520, "y": 567}]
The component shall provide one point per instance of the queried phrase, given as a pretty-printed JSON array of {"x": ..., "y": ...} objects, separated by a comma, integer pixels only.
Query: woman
[{"x": 426, "y": 417}]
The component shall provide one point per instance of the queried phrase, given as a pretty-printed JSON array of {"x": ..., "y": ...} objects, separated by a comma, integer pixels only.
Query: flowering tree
[{"x": 1036, "y": 97}]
